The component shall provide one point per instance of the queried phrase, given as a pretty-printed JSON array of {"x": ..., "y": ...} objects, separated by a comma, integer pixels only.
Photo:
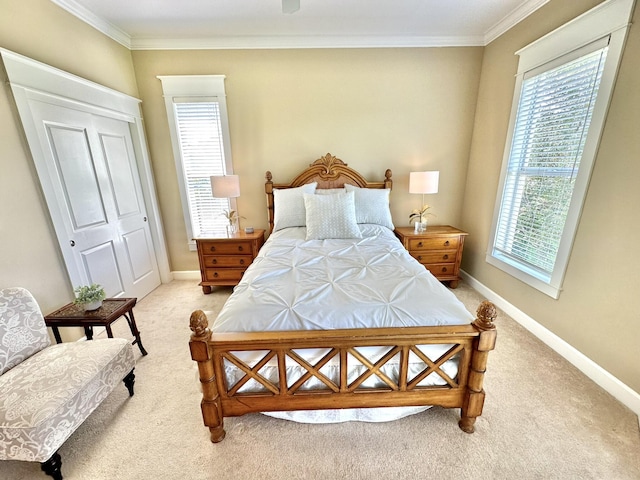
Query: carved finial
[
  {"x": 198, "y": 324},
  {"x": 268, "y": 176},
  {"x": 387, "y": 174},
  {"x": 486, "y": 313},
  {"x": 328, "y": 164}
]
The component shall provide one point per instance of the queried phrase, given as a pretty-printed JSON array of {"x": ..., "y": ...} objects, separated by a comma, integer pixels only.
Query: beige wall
[
  {"x": 596, "y": 311},
  {"x": 29, "y": 253},
  {"x": 404, "y": 109}
]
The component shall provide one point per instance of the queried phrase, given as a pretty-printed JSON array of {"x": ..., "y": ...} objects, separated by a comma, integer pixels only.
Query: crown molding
[
  {"x": 290, "y": 42},
  {"x": 295, "y": 41},
  {"x": 95, "y": 21},
  {"x": 512, "y": 19}
]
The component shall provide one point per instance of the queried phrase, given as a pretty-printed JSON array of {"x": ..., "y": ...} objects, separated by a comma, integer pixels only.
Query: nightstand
[
  {"x": 224, "y": 259},
  {"x": 438, "y": 248}
]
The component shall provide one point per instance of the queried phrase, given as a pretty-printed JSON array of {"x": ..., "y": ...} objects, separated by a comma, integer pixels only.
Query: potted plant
[
  {"x": 419, "y": 216},
  {"x": 89, "y": 296}
]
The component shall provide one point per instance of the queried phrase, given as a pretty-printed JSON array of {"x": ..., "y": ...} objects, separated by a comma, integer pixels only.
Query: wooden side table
[
  {"x": 224, "y": 259},
  {"x": 438, "y": 248},
  {"x": 73, "y": 315}
]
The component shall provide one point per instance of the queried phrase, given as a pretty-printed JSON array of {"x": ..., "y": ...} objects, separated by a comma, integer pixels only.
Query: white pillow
[
  {"x": 329, "y": 191},
  {"x": 331, "y": 216},
  {"x": 289, "y": 206},
  {"x": 372, "y": 205}
]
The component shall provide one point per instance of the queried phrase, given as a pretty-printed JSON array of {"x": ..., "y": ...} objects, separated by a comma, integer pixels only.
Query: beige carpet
[{"x": 543, "y": 419}]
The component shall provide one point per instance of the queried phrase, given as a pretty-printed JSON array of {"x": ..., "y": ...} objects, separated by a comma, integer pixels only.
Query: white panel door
[{"x": 92, "y": 183}]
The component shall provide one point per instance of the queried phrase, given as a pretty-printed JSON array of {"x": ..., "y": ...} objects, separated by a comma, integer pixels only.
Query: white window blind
[
  {"x": 553, "y": 118},
  {"x": 202, "y": 151}
]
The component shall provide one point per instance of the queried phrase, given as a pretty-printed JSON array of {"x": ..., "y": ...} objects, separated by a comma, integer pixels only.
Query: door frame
[{"x": 30, "y": 79}]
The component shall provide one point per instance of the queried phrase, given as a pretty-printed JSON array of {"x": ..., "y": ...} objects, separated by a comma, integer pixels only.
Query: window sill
[{"x": 525, "y": 277}]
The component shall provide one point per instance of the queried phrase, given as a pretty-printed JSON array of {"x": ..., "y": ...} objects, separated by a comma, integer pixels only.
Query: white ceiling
[{"x": 155, "y": 24}]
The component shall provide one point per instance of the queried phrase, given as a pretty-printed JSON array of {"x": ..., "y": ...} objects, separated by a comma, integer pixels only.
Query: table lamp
[
  {"x": 227, "y": 186},
  {"x": 423, "y": 183}
]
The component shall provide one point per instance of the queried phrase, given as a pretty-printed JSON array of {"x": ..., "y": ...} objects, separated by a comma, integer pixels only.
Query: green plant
[
  {"x": 89, "y": 293},
  {"x": 418, "y": 214}
]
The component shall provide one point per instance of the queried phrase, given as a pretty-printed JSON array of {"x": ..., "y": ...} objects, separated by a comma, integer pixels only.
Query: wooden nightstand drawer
[
  {"x": 441, "y": 269},
  {"x": 237, "y": 261},
  {"x": 226, "y": 248},
  {"x": 438, "y": 249},
  {"x": 434, "y": 257},
  {"x": 223, "y": 274},
  {"x": 434, "y": 243}
]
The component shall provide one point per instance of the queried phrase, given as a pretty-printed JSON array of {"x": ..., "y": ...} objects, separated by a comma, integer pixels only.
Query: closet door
[{"x": 92, "y": 187}]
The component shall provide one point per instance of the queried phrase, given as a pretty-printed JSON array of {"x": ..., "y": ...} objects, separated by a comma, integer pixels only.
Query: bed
[{"x": 335, "y": 321}]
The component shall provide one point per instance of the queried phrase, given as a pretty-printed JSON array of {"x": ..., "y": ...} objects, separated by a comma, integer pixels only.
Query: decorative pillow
[
  {"x": 289, "y": 206},
  {"x": 329, "y": 191},
  {"x": 331, "y": 216},
  {"x": 372, "y": 205}
]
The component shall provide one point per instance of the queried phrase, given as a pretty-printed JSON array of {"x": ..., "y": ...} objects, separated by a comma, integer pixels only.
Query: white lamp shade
[
  {"x": 227, "y": 186},
  {"x": 424, "y": 182}
]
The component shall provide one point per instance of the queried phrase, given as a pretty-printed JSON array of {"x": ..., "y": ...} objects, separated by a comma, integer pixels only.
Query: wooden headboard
[{"x": 329, "y": 172}]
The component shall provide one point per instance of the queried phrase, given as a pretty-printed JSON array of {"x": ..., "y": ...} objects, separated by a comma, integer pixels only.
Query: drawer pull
[
  {"x": 214, "y": 261},
  {"x": 240, "y": 249},
  {"x": 215, "y": 274},
  {"x": 444, "y": 269},
  {"x": 419, "y": 257},
  {"x": 419, "y": 244},
  {"x": 241, "y": 262},
  {"x": 212, "y": 248},
  {"x": 445, "y": 257},
  {"x": 446, "y": 244}
]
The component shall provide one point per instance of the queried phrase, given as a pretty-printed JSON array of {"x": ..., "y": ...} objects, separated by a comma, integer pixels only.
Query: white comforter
[{"x": 296, "y": 284}]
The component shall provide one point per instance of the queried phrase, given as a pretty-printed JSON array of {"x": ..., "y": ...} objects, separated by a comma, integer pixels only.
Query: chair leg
[
  {"x": 129, "y": 380},
  {"x": 52, "y": 466}
]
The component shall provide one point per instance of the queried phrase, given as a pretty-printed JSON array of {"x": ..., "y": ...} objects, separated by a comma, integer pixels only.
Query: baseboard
[
  {"x": 622, "y": 392},
  {"x": 186, "y": 275}
]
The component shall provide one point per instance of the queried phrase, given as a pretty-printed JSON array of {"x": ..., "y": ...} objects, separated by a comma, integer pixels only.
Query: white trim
[
  {"x": 27, "y": 78},
  {"x": 31, "y": 74},
  {"x": 291, "y": 42},
  {"x": 516, "y": 16},
  {"x": 187, "y": 275},
  {"x": 600, "y": 21},
  {"x": 97, "y": 22},
  {"x": 622, "y": 392}
]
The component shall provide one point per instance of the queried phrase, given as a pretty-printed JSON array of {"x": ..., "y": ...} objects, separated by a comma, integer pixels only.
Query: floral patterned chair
[{"x": 47, "y": 391}]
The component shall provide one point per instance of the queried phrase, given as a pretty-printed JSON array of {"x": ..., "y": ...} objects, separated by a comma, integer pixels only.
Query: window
[
  {"x": 198, "y": 125},
  {"x": 559, "y": 110}
]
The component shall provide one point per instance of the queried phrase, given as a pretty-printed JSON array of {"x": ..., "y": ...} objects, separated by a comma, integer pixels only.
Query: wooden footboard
[{"x": 468, "y": 344}]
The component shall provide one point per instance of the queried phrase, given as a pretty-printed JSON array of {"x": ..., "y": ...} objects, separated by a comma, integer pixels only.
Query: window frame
[
  {"x": 609, "y": 19},
  {"x": 195, "y": 88}
]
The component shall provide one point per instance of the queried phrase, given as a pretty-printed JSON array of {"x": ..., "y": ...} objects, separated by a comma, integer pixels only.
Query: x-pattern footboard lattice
[
  {"x": 470, "y": 343},
  {"x": 403, "y": 383}
]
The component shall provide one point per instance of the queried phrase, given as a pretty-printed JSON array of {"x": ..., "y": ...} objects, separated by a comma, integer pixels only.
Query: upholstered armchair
[{"x": 47, "y": 391}]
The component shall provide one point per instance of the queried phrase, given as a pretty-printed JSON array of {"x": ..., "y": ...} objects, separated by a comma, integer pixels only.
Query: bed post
[
  {"x": 474, "y": 399},
  {"x": 268, "y": 189},
  {"x": 200, "y": 352}
]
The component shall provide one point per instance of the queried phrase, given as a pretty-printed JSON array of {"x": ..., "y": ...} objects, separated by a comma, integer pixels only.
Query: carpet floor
[{"x": 543, "y": 419}]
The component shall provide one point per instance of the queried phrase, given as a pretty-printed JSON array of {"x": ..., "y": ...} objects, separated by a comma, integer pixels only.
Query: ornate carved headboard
[{"x": 329, "y": 172}]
